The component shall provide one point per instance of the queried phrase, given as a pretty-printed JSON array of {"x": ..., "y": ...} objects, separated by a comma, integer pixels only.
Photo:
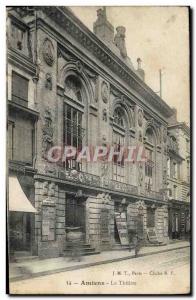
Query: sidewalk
[{"x": 36, "y": 268}]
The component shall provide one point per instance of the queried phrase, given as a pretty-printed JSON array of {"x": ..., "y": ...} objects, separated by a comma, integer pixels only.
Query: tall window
[
  {"x": 19, "y": 89},
  {"x": 149, "y": 163},
  {"x": 20, "y": 133},
  {"x": 73, "y": 119},
  {"x": 118, "y": 144},
  {"x": 73, "y": 133},
  {"x": 118, "y": 165},
  {"x": 150, "y": 217}
]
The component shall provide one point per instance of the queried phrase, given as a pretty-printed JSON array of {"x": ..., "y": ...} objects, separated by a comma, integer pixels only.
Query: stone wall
[
  {"x": 133, "y": 211},
  {"x": 161, "y": 223},
  {"x": 51, "y": 245},
  {"x": 97, "y": 235}
]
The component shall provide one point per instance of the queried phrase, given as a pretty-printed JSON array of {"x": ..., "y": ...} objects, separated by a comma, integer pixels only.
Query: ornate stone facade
[{"x": 88, "y": 95}]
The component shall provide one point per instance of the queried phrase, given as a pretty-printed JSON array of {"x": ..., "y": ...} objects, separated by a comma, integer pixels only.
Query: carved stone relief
[
  {"x": 47, "y": 133},
  {"x": 140, "y": 175},
  {"x": 140, "y": 207},
  {"x": 140, "y": 118},
  {"x": 164, "y": 134},
  {"x": 105, "y": 92},
  {"x": 79, "y": 66},
  {"x": 48, "y": 189},
  {"x": 106, "y": 198},
  {"x": 164, "y": 176},
  {"x": 48, "y": 82},
  {"x": 140, "y": 136},
  {"x": 45, "y": 188},
  {"x": 48, "y": 52},
  {"x": 51, "y": 169},
  {"x": 104, "y": 116}
]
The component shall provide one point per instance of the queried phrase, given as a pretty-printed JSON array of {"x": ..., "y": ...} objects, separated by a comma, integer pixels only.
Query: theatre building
[{"x": 69, "y": 86}]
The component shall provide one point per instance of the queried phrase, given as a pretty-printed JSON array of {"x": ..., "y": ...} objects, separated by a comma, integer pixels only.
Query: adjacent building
[
  {"x": 178, "y": 179},
  {"x": 67, "y": 86}
]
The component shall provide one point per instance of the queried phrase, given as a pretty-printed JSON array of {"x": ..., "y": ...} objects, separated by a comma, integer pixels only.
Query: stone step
[
  {"x": 82, "y": 249},
  {"x": 22, "y": 253},
  {"x": 82, "y": 253},
  {"x": 85, "y": 249},
  {"x": 25, "y": 258},
  {"x": 83, "y": 246}
]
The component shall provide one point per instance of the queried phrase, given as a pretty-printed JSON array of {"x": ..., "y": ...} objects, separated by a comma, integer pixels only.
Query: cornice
[
  {"x": 12, "y": 106},
  {"x": 21, "y": 61},
  {"x": 65, "y": 18},
  {"x": 181, "y": 125},
  {"x": 175, "y": 155},
  {"x": 22, "y": 25}
]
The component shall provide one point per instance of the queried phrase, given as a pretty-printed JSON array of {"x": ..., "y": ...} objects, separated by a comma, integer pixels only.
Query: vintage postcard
[{"x": 98, "y": 150}]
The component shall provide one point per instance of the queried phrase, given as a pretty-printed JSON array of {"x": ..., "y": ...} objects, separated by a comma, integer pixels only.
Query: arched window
[
  {"x": 150, "y": 136},
  {"x": 74, "y": 121},
  {"x": 73, "y": 88}
]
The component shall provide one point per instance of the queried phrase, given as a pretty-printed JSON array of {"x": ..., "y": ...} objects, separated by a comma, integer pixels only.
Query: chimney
[
  {"x": 173, "y": 119},
  {"x": 119, "y": 40},
  {"x": 140, "y": 71},
  {"x": 102, "y": 28}
]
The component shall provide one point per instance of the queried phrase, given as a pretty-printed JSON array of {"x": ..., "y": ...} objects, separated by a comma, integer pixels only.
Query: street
[{"x": 166, "y": 273}]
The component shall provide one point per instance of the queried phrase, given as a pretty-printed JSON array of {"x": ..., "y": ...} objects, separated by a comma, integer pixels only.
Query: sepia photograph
[{"x": 98, "y": 172}]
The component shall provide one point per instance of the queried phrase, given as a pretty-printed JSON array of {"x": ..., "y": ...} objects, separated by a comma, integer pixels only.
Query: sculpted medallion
[{"x": 48, "y": 52}]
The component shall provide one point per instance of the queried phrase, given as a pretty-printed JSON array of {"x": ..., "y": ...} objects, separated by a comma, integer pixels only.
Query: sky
[{"x": 160, "y": 37}]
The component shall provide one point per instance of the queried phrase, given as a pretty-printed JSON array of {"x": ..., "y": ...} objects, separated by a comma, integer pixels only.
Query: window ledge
[{"x": 15, "y": 106}]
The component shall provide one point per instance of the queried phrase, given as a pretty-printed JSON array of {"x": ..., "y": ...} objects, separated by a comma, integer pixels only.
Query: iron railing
[{"x": 97, "y": 181}]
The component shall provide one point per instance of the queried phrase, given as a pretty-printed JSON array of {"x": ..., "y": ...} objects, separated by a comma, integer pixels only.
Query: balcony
[
  {"x": 80, "y": 177},
  {"x": 98, "y": 182},
  {"x": 123, "y": 187},
  {"x": 154, "y": 195}
]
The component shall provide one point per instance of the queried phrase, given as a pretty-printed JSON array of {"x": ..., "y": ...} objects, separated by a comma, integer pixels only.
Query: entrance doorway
[
  {"x": 116, "y": 234},
  {"x": 76, "y": 212},
  {"x": 175, "y": 225},
  {"x": 20, "y": 231},
  {"x": 150, "y": 217}
]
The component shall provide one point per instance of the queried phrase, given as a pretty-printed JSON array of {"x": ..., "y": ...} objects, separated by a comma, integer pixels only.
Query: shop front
[
  {"x": 179, "y": 220},
  {"x": 20, "y": 219}
]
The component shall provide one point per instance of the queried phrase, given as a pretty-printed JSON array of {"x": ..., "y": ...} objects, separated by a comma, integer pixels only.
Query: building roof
[{"x": 65, "y": 18}]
